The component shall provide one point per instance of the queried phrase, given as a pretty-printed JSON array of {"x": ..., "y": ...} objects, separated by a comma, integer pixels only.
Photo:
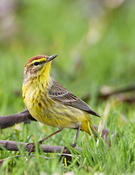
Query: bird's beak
[{"x": 50, "y": 58}]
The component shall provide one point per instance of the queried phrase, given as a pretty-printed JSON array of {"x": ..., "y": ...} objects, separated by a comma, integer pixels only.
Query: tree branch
[
  {"x": 15, "y": 146},
  {"x": 10, "y": 120},
  {"x": 107, "y": 92}
]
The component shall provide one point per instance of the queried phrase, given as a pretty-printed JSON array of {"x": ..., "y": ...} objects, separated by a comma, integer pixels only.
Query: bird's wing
[{"x": 62, "y": 95}]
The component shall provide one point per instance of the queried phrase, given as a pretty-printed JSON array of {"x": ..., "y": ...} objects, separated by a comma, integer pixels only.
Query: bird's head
[{"x": 38, "y": 66}]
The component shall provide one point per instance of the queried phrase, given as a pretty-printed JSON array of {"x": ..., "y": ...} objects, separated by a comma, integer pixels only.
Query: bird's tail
[{"x": 87, "y": 126}]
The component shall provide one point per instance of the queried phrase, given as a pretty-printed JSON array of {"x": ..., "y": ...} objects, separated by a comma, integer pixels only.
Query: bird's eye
[{"x": 36, "y": 63}]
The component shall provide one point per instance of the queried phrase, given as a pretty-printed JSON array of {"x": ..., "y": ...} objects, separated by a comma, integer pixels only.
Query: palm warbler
[{"x": 49, "y": 102}]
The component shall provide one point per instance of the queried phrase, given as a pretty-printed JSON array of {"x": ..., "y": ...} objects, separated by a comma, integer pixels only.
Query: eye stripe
[{"x": 38, "y": 63}]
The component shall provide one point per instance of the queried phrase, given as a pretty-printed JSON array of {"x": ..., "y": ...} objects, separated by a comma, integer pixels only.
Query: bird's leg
[
  {"x": 41, "y": 141},
  {"x": 77, "y": 134},
  {"x": 32, "y": 145}
]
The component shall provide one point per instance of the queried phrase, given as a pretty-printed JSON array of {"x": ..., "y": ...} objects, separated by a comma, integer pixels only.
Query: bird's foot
[
  {"x": 30, "y": 147},
  {"x": 73, "y": 145}
]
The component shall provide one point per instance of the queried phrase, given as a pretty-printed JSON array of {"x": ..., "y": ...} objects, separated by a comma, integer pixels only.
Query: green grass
[{"x": 83, "y": 66}]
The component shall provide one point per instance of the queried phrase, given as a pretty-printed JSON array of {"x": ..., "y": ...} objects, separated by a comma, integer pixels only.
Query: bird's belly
[
  {"x": 53, "y": 113},
  {"x": 58, "y": 115}
]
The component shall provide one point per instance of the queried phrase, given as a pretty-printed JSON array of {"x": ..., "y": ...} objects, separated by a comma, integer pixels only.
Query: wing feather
[{"x": 62, "y": 95}]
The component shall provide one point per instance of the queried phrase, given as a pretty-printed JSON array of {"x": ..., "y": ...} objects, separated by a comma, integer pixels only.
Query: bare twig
[
  {"x": 14, "y": 146},
  {"x": 126, "y": 94},
  {"x": 106, "y": 91},
  {"x": 10, "y": 120},
  {"x": 130, "y": 99}
]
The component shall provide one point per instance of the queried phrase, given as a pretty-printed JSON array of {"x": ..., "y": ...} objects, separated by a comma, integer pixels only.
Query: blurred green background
[{"x": 95, "y": 41}]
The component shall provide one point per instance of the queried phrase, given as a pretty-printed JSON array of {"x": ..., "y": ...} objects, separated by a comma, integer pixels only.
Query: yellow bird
[{"x": 50, "y": 103}]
